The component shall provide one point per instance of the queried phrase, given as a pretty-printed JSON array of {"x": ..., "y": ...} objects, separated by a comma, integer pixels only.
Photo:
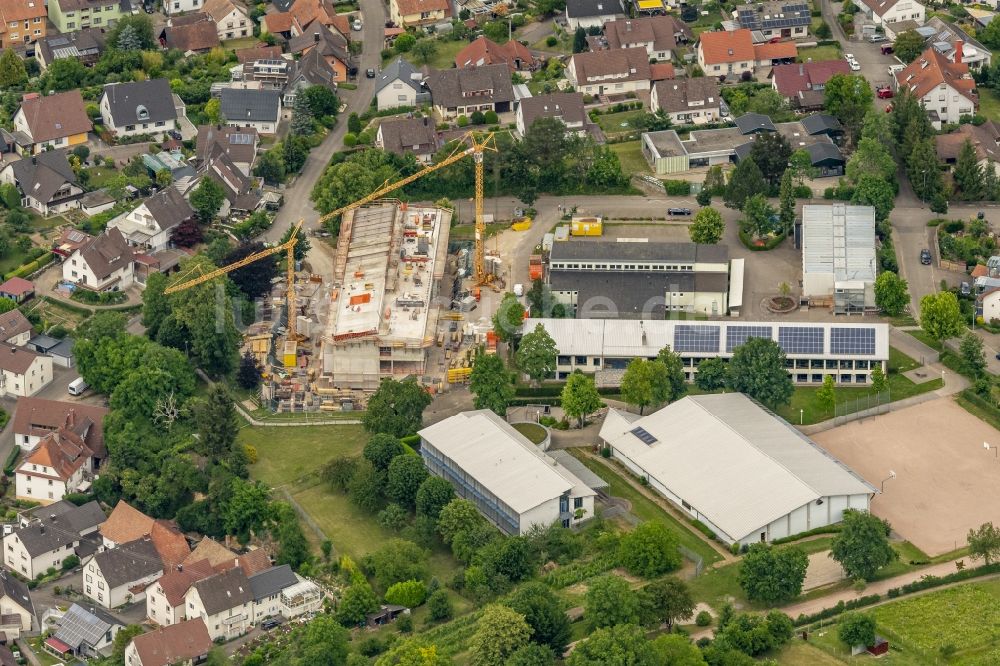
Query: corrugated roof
[{"x": 839, "y": 239}]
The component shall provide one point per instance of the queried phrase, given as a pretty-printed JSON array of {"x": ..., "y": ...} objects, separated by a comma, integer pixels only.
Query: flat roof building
[
  {"x": 838, "y": 256},
  {"x": 849, "y": 352},
  {"x": 742, "y": 471},
  {"x": 513, "y": 483}
]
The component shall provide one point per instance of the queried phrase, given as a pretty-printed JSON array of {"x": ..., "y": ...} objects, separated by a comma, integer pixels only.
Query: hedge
[
  {"x": 11, "y": 462},
  {"x": 826, "y": 529},
  {"x": 677, "y": 187},
  {"x": 521, "y": 402},
  {"x": 748, "y": 242},
  {"x": 837, "y": 610},
  {"x": 549, "y": 391}
]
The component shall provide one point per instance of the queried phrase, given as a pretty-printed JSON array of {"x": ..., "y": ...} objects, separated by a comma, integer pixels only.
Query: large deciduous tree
[
  {"x": 667, "y": 600},
  {"x": 848, "y": 97},
  {"x": 508, "y": 318},
  {"x": 891, "y": 293},
  {"x": 490, "y": 384},
  {"x": 857, "y": 628},
  {"x": 649, "y": 550},
  {"x": 908, "y": 45},
  {"x": 500, "y": 632},
  {"x": 712, "y": 375},
  {"x": 254, "y": 279},
  {"x": 610, "y": 601},
  {"x": 537, "y": 353},
  {"x": 544, "y": 613},
  {"x": 707, "y": 227},
  {"x": 757, "y": 368},
  {"x": 396, "y": 408},
  {"x": 206, "y": 199},
  {"x": 580, "y": 397},
  {"x": 877, "y": 192},
  {"x": 406, "y": 473},
  {"x": 12, "y": 71},
  {"x": 771, "y": 151},
  {"x": 862, "y": 546},
  {"x": 940, "y": 316},
  {"x": 984, "y": 543},
  {"x": 758, "y": 217},
  {"x": 619, "y": 644},
  {"x": 645, "y": 383},
  {"x": 773, "y": 575}
]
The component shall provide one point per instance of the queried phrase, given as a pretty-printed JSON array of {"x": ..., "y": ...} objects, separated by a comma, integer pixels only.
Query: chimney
[
  {"x": 316, "y": 37},
  {"x": 958, "y": 51},
  {"x": 628, "y": 26}
]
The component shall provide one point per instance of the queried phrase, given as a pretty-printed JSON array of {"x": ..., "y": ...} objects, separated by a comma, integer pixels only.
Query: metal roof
[
  {"x": 733, "y": 461},
  {"x": 839, "y": 239}
]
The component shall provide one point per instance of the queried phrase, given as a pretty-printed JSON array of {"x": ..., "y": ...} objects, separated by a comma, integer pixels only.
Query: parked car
[
  {"x": 925, "y": 257},
  {"x": 888, "y": 49},
  {"x": 848, "y": 57},
  {"x": 855, "y": 67},
  {"x": 270, "y": 623},
  {"x": 356, "y": 26},
  {"x": 965, "y": 289},
  {"x": 370, "y": 72},
  {"x": 678, "y": 211},
  {"x": 884, "y": 92},
  {"x": 876, "y": 38}
]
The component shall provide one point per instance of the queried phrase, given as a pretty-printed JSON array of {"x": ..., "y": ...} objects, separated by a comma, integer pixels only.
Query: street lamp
[
  {"x": 800, "y": 415},
  {"x": 986, "y": 445},
  {"x": 892, "y": 475}
]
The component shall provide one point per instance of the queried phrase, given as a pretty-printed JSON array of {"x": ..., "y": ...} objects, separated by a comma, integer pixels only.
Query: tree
[
  {"x": 677, "y": 650},
  {"x": 294, "y": 152},
  {"x": 302, "y": 244},
  {"x": 990, "y": 36},
  {"x": 908, "y": 45},
  {"x": 758, "y": 216},
  {"x": 248, "y": 508},
  {"x": 923, "y": 172},
  {"x": 271, "y": 167},
  {"x": 537, "y": 353},
  {"x": 213, "y": 112},
  {"x": 757, "y": 368},
  {"x": 409, "y": 593},
  {"x": 218, "y": 425},
  {"x": 322, "y": 641},
  {"x": 667, "y": 600},
  {"x": 968, "y": 174},
  {"x": 254, "y": 280},
  {"x": 406, "y": 473},
  {"x": 875, "y": 191},
  {"x": 425, "y": 49},
  {"x": 365, "y": 485},
  {"x": 10, "y": 196},
  {"x": 673, "y": 364},
  {"x": 786, "y": 207},
  {"x": 354, "y": 123},
  {"x": 891, "y": 293},
  {"x": 123, "y": 637},
  {"x": 644, "y": 383},
  {"x": 544, "y": 613},
  {"x": 357, "y": 602},
  {"x": 971, "y": 351},
  {"x": 396, "y": 408},
  {"x": 872, "y": 157},
  {"x": 745, "y": 181},
  {"x": 610, "y": 601},
  {"x": 712, "y": 374},
  {"x": 432, "y": 496},
  {"x": 490, "y": 384},
  {"x": 857, "y": 628},
  {"x": 984, "y": 543},
  {"x": 206, "y": 199},
  {"x": 862, "y": 546},
  {"x": 848, "y": 97},
  {"x": 707, "y": 227},
  {"x": 511, "y": 558},
  {"x": 404, "y": 43},
  {"x": 397, "y": 560},
  {"x": 879, "y": 381},
  {"x": 649, "y": 550},
  {"x": 508, "y": 319},
  {"x": 826, "y": 396},
  {"x": 531, "y": 654},
  {"x": 771, "y": 151},
  {"x": 579, "y": 40},
  {"x": 321, "y": 101},
  {"x": 12, "y": 71},
  {"x": 624, "y": 644},
  {"x": 302, "y": 118},
  {"x": 580, "y": 397},
  {"x": 439, "y": 606},
  {"x": 773, "y": 575},
  {"x": 940, "y": 315},
  {"x": 459, "y": 515},
  {"x": 140, "y": 29},
  {"x": 381, "y": 450},
  {"x": 65, "y": 74},
  {"x": 499, "y": 633}
]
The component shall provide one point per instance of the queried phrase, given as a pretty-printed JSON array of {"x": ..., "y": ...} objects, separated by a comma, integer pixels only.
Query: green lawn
[
  {"x": 645, "y": 508},
  {"x": 12, "y": 259},
  {"x": 805, "y": 398},
  {"x": 444, "y": 58},
  {"x": 619, "y": 122},
  {"x": 921, "y": 335},
  {"x": 989, "y": 103},
  {"x": 799, "y": 652},
  {"x": 818, "y": 53},
  {"x": 100, "y": 175},
  {"x": 289, "y": 455},
  {"x": 241, "y": 43},
  {"x": 532, "y": 431},
  {"x": 630, "y": 155},
  {"x": 39, "y": 223}
]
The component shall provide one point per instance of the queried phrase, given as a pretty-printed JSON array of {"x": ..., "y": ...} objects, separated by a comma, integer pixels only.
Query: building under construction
[{"x": 383, "y": 312}]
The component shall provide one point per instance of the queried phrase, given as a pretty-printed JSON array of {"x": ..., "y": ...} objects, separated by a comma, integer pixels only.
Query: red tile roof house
[
  {"x": 802, "y": 83},
  {"x": 731, "y": 53},
  {"x": 54, "y": 121},
  {"x": 181, "y": 644},
  {"x": 17, "y": 289},
  {"x": 484, "y": 51},
  {"x": 60, "y": 464},
  {"x": 34, "y": 418},
  {"x": 945, "y": 89}
]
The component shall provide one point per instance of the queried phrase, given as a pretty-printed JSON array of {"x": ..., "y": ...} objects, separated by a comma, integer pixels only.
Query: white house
[
  {"x": 61, "y": 463},
  {"x": 140, "y": 107},
  {"x": 15, "y": 602},
  {"x": 659, "y": 35},
  {"x": 513, "y": 483},
  {"x": 181, "y": 644},
  {"x": 150, "y": 225},
  {"x": 119, "y": 576},
  {"x": 50, "y": 535},
  {"x": 46, "y": 182},
  {"x": 172, "y": 7},
  {"x": 267, "y": 587},
  {"x": 688, "y": 101},
  {"x": 400, "y": 84},
  {"x": 104, "y": 263},
  {"x": 592, "y": 13},
  {"x": 225, "y": 603},
  {"x": 617, "y": 72},
  {"x": 15, "y": 329},
  {"x": 726, "y": 52},
  {"x": 23, "y": 372},
  {"x": 53, "y": 121},
  {"x": 259, "y": 109},
  {"x": 945, "y": 89},
  {"x": 165, "y": 596},
  {"x": 743, "y": 472},
  {"x": 893, "y": 11},
  {"x": 232, "y": 20},
  {"x": 566, "y": 107}
]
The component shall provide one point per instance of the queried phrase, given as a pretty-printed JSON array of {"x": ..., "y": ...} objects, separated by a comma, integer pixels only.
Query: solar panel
[
  {"x": 689, "y": 338},
  {"x": 801, "y": 339},
  {"x": 855, "y": 341},
  {"x": 737, "y": 335},
  {"x": 644, "y": 436}
]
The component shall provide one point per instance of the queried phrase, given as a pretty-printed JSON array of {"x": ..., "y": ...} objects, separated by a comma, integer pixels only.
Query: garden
[{"x": 967, "y": 243}]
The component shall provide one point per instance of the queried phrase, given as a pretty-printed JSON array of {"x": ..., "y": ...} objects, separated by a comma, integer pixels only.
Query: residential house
[
  {"x": 985, "y": 140},
  {"x": 36, "y": 418},
  {"x": 83, "y": 633},
  {"x": 126, "y": 524},
  {"x": 61, "y": 463},
  {"x": 592, "y": 13},
  {"x": 306, "y": 14},
  {"x": 278, "y": 24},
  {"x": 149, "y": 226},
  {"x": 784, "y": 19},
  {"x": 314, "y": 69},
  {"x": 238, "y": 143},
  {"x": 254, "y": 53},
  {"x": 173, "y": 7},
  {"x": 299, "y": 599},
  {"x": 46, "y": 182},
  {"x": 484, "y": 51},
  {"x": 140, "y": 107},
  {"x": 180, "y": 644},
  {"x": 567, "y": 107},
  {"x": 458, "y": 92},
  {"x": 616, "y": 72},
  {"x": 103, "y": 264},
  {"x": 414, "y": 13},
  {"x": 23, "y": 372},
  {"x": 259, "y": 109},
  {"x": 53, "y": 121},
  {"x": 49, "y": 535},
  {"x": 118, "y": 576},
  {"x": 232, "y": 20},
  {"x": 70, "y": 15},
  {"x": 726, "y": 53},
  {"x": 882, "y": 12},
  {"x": 224, "y": 602},
  {"x": 659, "y": 35},
  {"x": 409, "y": 135},
  {"x": 83, "y": 45},
  {"x": 802, "y": 84},
  {"x": 17, "y": 612},
  {"x": 688, "y": 101},
  {"x": 955, "y": 43},
  {"x": 242, "y": 192},
  {"x": 267, "y": 587},
  {"x": 945, "y": 89},
  {"x": 332, "y": 44},
  {"x": 193, "y": 33},
  {"x": 400, "y": 84},
  {"x": 15, "y": 329},
  {"x": 165, "y": 596},
  {"x": 21, "y": 22},
  {"x": 18, "y": 290}
]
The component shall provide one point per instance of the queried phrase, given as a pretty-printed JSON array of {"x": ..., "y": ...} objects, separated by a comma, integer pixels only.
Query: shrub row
[
  {"x": 521, "y": 402},
  {"x": 27, "y": 269},
  {"x": 549, "y": 391},
  {"x": 677, "y": 187},
  {"x": 826, "y": 529},
  {"x": 840, "y": 193},
  {"x": 572, "y": 574},
  {"x": 769, "y": 245},
  {"x": 837, "y": 610}
]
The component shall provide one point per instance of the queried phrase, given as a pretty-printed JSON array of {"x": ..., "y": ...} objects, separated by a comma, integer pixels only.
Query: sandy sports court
[{"x": 946, "y": 481}]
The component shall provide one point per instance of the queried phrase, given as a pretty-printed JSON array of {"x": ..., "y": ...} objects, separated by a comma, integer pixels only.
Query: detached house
[
  {"x": 731, "y": 53},
  {"x": 103, "y": 264},
  {"x": 458, "y": 92},
  {"x": 36, "y": 418},
  {"x": 140, "y": 107},
  {"x": 49, "y": 535},
  {"x": 945, "y": 89},
  {"x": 259, "y": 109},
  {"x": 70, "y": 15},
  {"x": 400, "y": 84},
  {"x": 61, "y": 463},
  {"x": 181, "y": 644},
  {"x": 46, "y": 182},
  {"x": 55, "y": 121},
  {"x": 330, "y": 48},
  {"x": 484, "y": 51},
  {"x": 15, "y": 329},
  {"x": 127, "y": 524},
  {"x": 193, "y": 33},
  {"x": 410, "y": 13},
  {"x": 238, "y": 143},
  {"x": 83, "y": 45},
  {"x": 21, "y": 22},
  {"x": 408, "y": 135},
  {"x": 172, "y": 7},
  {"x": 23, "y": 372},
  {"x": 802, "y": 84},
  {"x": 688, "y": 101},
  {"x": 242, "y": 192},
  {"x": 566, "y": 107},
  {"x": 17, "y": 612},
  {"x": 224, "y": 602},
  {"x": 786, "y": 19},
  {"x": 882, "y": 12},
  {"x": 659, "y": 35},
  {"x": 280, "y": 591},
  {"x": 592, "y": 13},
  {"x": 149, "y": 226},
  {"x": 118, "y": 576},
  {"x": 609, "y": 72},
  {"x": 955, "y": 43},
  {"x": 84, "y": 633},
  {"x": 985, "y": 139},
  {"x": 232, "y": 21}
]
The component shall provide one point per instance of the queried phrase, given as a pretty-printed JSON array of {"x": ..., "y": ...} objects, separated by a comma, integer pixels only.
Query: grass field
[
  {"x": 100, "y": 175},
  {"x": 799, "y": 652},
  {"x": 13, "y": 258},
  {"x": 533, "y": 432},
  {"x": 444, "y": 57},
  {"x": 287, "y": 456},
  {"x": 818, "y": 53},
  {"x": 646, "y": 509},
  {"x": 926, "y": 339},
  {"x": 989, "y": 104},
  {"x": 619, "y": 122},
  {"x": 630, "y": 155}
]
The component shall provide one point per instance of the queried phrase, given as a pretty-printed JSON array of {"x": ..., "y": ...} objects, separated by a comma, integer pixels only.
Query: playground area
[{"x": 945, "y": 479}]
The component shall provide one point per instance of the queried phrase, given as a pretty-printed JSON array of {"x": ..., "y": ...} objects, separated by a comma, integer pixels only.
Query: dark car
[
  {"x": 678, "y": 211},
  {"x": 370, "y": 72},
  {"x": 268, "y": 625},
  {"x": 925, "y": 257}
]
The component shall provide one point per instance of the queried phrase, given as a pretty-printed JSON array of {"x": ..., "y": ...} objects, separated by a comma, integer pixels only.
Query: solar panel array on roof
[
  {"x": 76, "y": 236},
  {"x": 644, "y": 436},
  {"x": 859, "y": 341},
  {"x": 688, "y": 338},
  {"x": 801, "y": 339},
  {"x": 737, "y": 335}
]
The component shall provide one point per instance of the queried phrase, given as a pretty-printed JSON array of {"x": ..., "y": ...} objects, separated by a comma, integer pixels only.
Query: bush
[
  {"x": 802, "y": 192},
  {"x": 439, "y": 606},
  {"x": 11, "y": 462},
  {"x": 410, "y": 593},
  {"x": 703, "y": 619},
  {"x": 70, "y": 562},
  {"x": 551, "y": 41},
  {"x": 350, "y": 140},
  {"x": 462, "y": 121},
  {"x": 677, "y": 187}
]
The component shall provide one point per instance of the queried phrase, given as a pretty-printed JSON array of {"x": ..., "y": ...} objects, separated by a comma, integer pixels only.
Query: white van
[{"x": 77, "y": 386}]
